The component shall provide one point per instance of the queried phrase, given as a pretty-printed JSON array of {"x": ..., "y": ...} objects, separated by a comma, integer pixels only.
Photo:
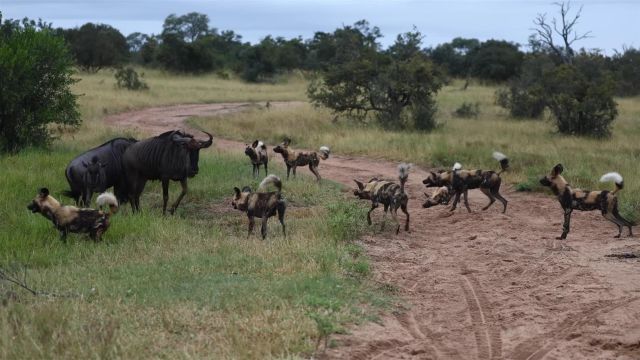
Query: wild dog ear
[
  {"x": 255, "y": 144},
  {"x": 557, "y": 170},
  {"x": 44, "y": 192},
  {"x": 237, "y": 191},
  {"x": 360, "y": 185}
]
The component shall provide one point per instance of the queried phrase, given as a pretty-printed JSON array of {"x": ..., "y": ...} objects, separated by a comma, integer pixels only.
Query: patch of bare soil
[{"x": 481, "y": 285}]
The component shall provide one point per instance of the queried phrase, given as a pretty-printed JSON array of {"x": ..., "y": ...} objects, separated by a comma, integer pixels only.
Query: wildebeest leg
[
  {"x": 404, "y": 210},
  {"x": 315, "y": 172},
  {"x": 466, "y": 199},
  {"x": 263, "y": 228},
  {"x": 504, "y": 201},
  {"x": 374, "y": 205},
  {"x": 252, "y": 222},
  {"x": 492, "y": 199},
  {"x": 456, "y": 199},
  {"x": 165, "y": 195},
  {"x": 281, "y": 210},
  {"x": 566, "y": 225},
  {"x": 86, "y": 197},
  {"x": 183, "y": 183}
]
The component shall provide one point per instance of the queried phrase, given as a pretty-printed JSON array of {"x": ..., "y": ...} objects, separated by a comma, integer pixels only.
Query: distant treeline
[{"x": 189, "y": 44}]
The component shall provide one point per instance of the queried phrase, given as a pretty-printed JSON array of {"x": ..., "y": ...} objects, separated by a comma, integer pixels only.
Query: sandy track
[{"x": 482, "y": 285}]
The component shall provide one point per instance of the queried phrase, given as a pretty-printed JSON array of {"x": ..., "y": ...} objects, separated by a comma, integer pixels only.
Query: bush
[
  {"x": 96, "y": 46},
  {"x": 525, "y": 96},
  {"x": 35, "y": 88},
  {"x": 127, "y": 78},
  {"x": 468, "y": 110},
  {"x": 580, "y": 104}
]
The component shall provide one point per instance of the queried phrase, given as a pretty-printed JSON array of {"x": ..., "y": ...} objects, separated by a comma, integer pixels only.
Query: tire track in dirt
[{"x": 532, "y": 289}]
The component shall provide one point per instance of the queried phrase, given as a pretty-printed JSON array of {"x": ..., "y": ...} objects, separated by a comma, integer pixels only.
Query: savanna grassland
[
  {"x": 533, "y": 146},
  {"x": 183, "y": 286}
]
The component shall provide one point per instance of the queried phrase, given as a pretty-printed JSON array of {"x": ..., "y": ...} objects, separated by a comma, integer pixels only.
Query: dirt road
[{"x": 482, "y": 285}]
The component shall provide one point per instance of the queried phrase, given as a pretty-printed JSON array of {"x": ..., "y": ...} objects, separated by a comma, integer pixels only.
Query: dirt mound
[{"x": 483, "y": 285}]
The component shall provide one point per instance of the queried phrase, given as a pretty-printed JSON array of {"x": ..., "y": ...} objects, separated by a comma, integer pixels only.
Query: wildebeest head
[
  {"x": 193, "y": 146},
  {"x": 440, "y": 196},
  {"x": 94, "y": 177},
  {"x": 240, "y": 199}
]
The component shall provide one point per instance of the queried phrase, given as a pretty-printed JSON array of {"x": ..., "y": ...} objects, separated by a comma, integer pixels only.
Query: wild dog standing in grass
[
  {"x": 257, "y": 152},
  {"x": 387, "y": 193},
  {"x": 293, "y": 159},
  {"x": 72, "y": 219},
  {"x": 576, "y": 199},
  {"x": 261, "y": 204},
  {"x": 459, "y": 182}
]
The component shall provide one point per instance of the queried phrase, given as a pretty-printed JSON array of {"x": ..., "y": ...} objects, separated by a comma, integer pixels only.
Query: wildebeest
[
  {"x": 576, "y": 199},
  {"x": 172, "y": 155},
  {"x": 72, "y": 219},
  {"x": 293, "y": 159},
  {"x": 257, "y": 152},
  {"x": 261, "y": 204},
  {"x": 391, "y": 195},
  {"x": 97, "y": 170}
]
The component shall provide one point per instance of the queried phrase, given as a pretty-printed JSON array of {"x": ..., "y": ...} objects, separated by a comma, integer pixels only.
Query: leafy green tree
[
  {"x": 96, "y": 46},
  {"x": 526, "y": 95},
  {"x": 626, "y": 70},
  {"x": 36, "y": 71},
  {"x": 188, "y": 27},
  {"x": 495, "y": 60},
  {"x": 396, "y": 86},
  {"x": 453, "y": 56}
]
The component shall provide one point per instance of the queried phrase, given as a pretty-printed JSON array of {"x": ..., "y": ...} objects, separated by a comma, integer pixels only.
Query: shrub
[
  {"x": 581, "y": 102},
  {"x": 468, "y": 110},
  {"x": 128, "y": 78},
  {"x": 35, "y": 88}
]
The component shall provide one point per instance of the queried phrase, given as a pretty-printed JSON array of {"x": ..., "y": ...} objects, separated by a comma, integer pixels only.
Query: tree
[
  {"x": 454, "y": 55},
  {"x": 188, "y": 27},
  {"x": 397, "y": 86},
  {"x": 546, "y": 33},
  {"x": 626, "y": 69},
  {"x": 495, "y": 60},
  {"x": 96, "y": 46},
  {"x": 35, "y": 87}
]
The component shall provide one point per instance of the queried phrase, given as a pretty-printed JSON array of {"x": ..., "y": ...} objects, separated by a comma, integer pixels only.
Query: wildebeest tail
[
  {"x": 271, "y": 179},
  {"x": 324, "y": 152},
  {"x": 108, "y": 199},
  {"x": 502, "y": 159},
  {"x": 616, "y": 178},
  {"x": 403, "y": 174}
]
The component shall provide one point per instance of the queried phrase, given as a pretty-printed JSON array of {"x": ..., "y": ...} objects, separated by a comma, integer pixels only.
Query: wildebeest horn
[
  {"x": 206, "y": 144},
  {"x": 177, "y": 138}
]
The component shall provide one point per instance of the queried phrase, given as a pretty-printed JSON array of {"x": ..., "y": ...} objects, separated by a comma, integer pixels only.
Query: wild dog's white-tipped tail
[
  {"x": 271, "y": 179},
  {"x": 324, "y": 152},
  {"x": 457, "y": 166},
  {"x": 615, "y": 177},
  {"x": 107, "y": 199},
  {"x": 499, "y": 156},
  {"x": 403, "y": 170}
]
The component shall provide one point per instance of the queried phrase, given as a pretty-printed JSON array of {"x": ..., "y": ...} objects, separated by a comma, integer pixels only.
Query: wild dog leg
[
  {"x": 492, "y": 199},
  {"x": 504, "y": 201},
  {"x": 288, "y": 170},
  {"x": 314, "y": 170},
  {"x": 263, "y": 228},
  {"x": 566, "y": 225},
  {"x": 404, "y": 210},
  {"x": 281, "y": 210},
  {"x": 294, "y": 170},
  {"x": 384, "y": 216},
  {"x": 252, "y": 223},
  {"x": 394, "y": 216},
  {"x": 466, "y": 199},
  {"x": 374, "y": 205},
  {"x": 455, "y": 201}
]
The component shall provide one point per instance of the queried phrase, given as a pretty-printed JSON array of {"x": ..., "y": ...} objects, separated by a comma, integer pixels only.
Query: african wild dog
[
  {"x": 441, "y": 196},
  {"x": 257, "y": 152},
  {"x": 576, "y": 199},
  {"x": 461, "y": 181},
  {"x": 293, "y": 159},
  {"x": 387, "y": 193},
  {"x": 261, "y": 204},
  {"x": 72, "y": 219}
]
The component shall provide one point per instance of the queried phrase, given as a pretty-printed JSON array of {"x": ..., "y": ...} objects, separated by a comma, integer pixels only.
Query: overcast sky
[{"x": 613, "y": 23}]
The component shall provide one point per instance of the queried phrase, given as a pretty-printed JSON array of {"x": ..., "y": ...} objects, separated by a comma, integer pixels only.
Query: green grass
[
  {"x": 532, "y": 146},
  {"x": 183, "y": 286}
]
